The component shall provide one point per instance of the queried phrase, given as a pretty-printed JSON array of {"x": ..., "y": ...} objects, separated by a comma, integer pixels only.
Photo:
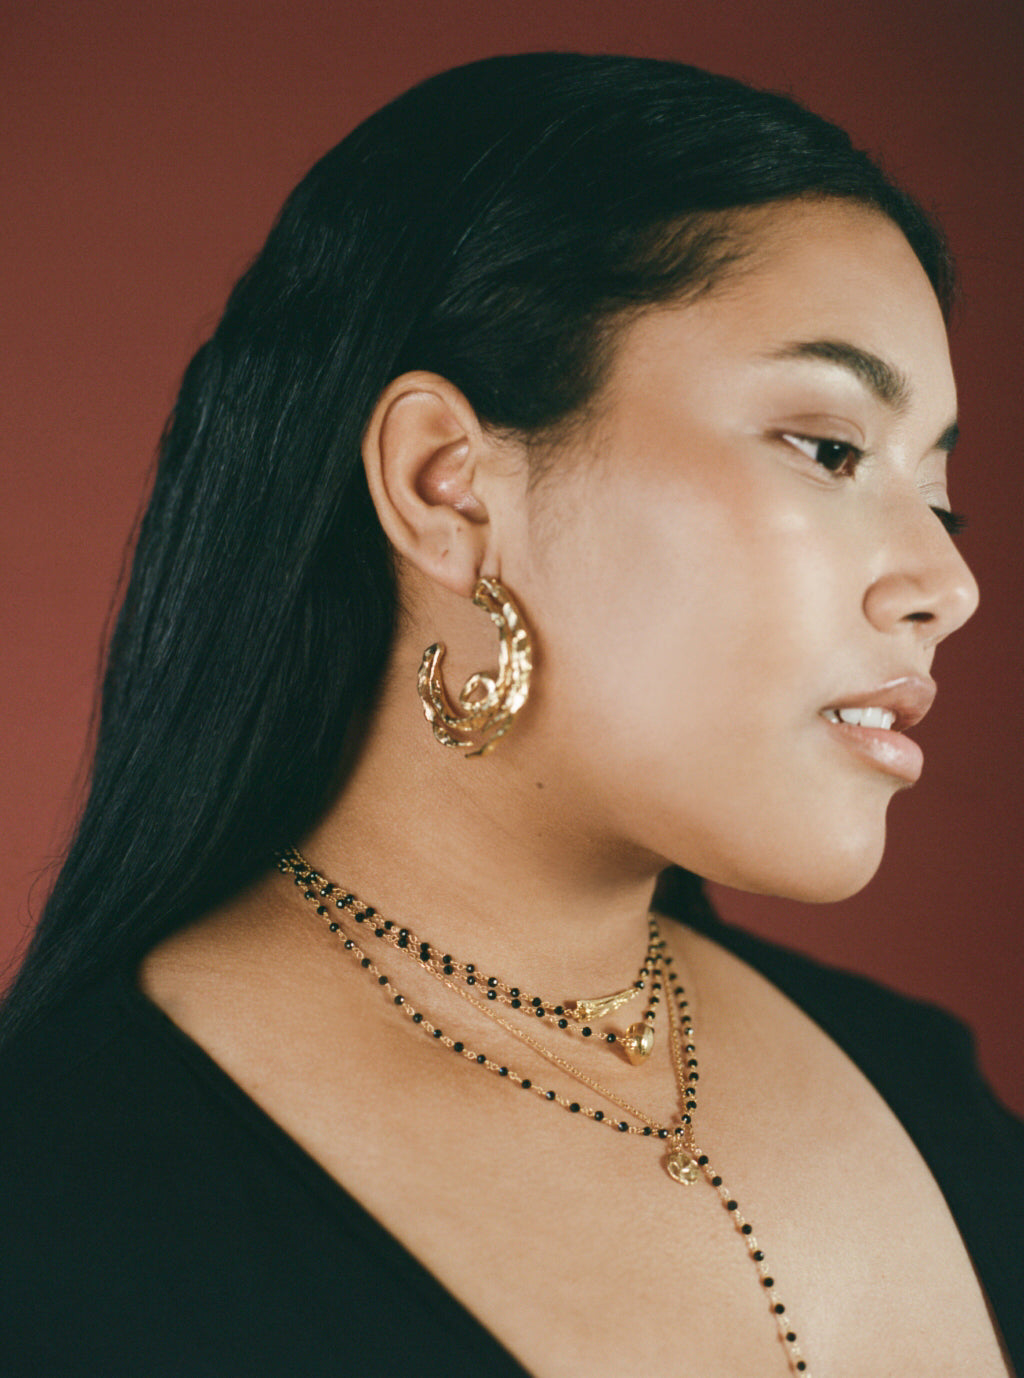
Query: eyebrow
[
  {"x": 947, "y": 440},
  {"x": 884, "y": 380},
  {"x": 887, "y": 383}
]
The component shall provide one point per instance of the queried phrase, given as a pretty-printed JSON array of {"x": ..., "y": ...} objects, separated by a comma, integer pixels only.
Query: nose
[{"x": 929, "y": 590}]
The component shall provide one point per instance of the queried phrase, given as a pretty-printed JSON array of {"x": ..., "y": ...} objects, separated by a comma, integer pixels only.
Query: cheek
[{"x": 684, "y": 669}]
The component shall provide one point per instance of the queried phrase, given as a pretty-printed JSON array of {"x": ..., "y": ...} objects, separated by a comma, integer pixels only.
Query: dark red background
[{"x": 148, "y": 148}]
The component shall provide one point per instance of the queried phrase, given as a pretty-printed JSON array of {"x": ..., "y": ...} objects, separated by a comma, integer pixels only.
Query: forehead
[{"x": 813, "y": 271}]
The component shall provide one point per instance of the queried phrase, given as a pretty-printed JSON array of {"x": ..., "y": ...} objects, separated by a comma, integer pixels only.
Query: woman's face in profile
[{"x": 744, "y": 548}]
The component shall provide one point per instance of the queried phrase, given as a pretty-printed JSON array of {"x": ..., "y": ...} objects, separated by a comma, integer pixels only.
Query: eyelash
[
  {"x": 844, "y": 465},
  {"x": 954, "y": 522}
]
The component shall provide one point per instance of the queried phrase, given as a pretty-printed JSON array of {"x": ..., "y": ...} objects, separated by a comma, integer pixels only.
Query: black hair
[{"x": 492, "y": 225}]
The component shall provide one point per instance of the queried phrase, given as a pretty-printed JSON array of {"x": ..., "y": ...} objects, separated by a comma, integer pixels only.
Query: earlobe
[{"x": 421, "y": 452}]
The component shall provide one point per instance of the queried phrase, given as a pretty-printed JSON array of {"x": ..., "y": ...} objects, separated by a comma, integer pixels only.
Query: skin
[{"x": 699, "y": 588}]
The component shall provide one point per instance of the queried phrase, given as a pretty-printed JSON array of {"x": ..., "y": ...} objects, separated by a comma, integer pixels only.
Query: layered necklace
[{"x": 355, "y": 923}]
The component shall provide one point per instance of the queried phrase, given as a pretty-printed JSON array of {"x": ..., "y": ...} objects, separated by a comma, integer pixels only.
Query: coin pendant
[{"x": 682, "y": 1168}]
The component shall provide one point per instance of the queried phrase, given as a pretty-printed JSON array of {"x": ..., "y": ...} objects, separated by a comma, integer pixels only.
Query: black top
[{"x": 156, "y": 1221}]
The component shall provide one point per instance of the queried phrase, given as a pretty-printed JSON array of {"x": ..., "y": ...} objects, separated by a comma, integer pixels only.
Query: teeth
[{"x": 862, "y": 717}]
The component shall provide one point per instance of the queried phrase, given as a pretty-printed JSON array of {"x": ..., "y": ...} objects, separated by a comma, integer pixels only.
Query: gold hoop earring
[{"x": 487, "y": 705}]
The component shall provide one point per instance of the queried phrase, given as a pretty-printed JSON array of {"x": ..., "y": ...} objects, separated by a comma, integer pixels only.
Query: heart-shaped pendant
[{"x": 637, "y": 1042}]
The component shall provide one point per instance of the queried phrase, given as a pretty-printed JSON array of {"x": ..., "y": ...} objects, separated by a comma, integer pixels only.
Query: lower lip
[{"x": 885, "y": 749}]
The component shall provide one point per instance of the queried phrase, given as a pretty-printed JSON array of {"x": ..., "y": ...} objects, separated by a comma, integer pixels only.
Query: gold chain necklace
[
  {"x": 685, "y": 1162},
  {"x": 570, "y": 1016}
]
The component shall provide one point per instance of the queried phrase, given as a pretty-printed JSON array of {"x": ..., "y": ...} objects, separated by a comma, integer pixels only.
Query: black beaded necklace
[
  {"x": 685, "y": 1162},
  {"x": 569, "y": 1016}
]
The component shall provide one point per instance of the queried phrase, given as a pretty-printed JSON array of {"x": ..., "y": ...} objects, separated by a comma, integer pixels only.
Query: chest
[
  {"x": 571, "y": 1243},
  {"x": 577, "y": 1250}
]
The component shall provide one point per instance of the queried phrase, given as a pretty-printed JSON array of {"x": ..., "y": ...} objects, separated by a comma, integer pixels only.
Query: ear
[{"x": 423, "y": 453}]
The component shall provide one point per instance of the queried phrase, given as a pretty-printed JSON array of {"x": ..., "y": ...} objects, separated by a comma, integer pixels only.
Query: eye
[
  {"x": 837, "y": 456},
  {"x": 954, "y": 522}
]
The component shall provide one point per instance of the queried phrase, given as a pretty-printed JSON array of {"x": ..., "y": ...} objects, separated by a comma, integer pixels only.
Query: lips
[{"x": 871, "y": 723}]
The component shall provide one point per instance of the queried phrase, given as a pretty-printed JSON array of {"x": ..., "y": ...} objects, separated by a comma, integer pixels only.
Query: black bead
[
  {"x": 378, "y": 932},
  {"x": 563, "y": 1023},
  {"x": 732, "y": 1205},
  {"x": 370, "y": 912},
  {"x": 446, "y": 958},
  {"x": 492, "y": 980},
  {"x": 790, "y": 1335},
  {"x": 536, "y": 1001},
  {"x": 514, "y": 991},
  {"x": 598, "y": 1114},
  {"x": 349, "y": 944},
  {"x": 321, "y": 911},
  {"x": 365, "y": 962},
  {"x": 549, "y": 1095},
  {"x": 449, "y": 970},
  {"x": 492, "y": 995},
  {"x": 502, "y": 1071},
  {"x": 481, "y": 1059},
  {"x": 575, "y": 1107},
  {"x": 747, "y": 1229},
  {"x": 559, "y": 1009},
  {"x": 438, "y": 1033},
  {"x": 586, "y": 1031},
  {"x": 339, "y": 904},
  {"x": 539, "y": 1014},
  {"x": 417, "y": 1019},
  {"x": 609, "y": 1038},
  {"x": 403, "y": 942},
  {"x": 703, "y": 1160},
  {"x": 517, "y": 1004},
  {"x": 399, "y": 999},
  {"x": 767, "y": 1282},
  {"x": 526, "y": 1083},
  {"x": 470, "y": 980},
  {"x": 334, "y": 927},
  {"x": 758, "y": 1255},
  {"x": 662, "y": 1133},
  {"x": 648, "y": 1131},
  {"x": 716, "y": 1181},
  {"x": 470, "y": 967},
  {"x": 623, "y": 1126},
  {"x": 346, "y": 900},
  {"x": 459, "y": 1047},
  {"x": 801, "y": 1366},
  {"x": 382, "y": 980},
  {"x": 779, "y": 1308}
]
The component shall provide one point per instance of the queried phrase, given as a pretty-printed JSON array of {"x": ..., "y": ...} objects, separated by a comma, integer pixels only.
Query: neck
[{"x": 485, "y": 858}]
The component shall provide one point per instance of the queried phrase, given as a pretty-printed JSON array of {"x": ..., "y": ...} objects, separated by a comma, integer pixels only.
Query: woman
[{"x": 648, "y": 372}]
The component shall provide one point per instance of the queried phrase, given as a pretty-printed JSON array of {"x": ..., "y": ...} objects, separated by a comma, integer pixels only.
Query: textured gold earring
[{"x": 487, "y": 705}]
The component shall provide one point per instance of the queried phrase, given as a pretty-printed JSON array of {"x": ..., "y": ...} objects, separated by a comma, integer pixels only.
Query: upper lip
[{"x": 909, "y": 697}]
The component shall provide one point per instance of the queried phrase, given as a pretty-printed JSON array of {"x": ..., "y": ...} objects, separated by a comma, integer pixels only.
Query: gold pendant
[
  {"x": 637, "y": 1042},
  {"x": 599, "y": 1008},
  {"x": 682, "y": 1168}
]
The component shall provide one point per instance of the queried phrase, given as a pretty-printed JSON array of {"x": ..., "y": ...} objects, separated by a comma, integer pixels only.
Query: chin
[{"x": 823, "y": 871}]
